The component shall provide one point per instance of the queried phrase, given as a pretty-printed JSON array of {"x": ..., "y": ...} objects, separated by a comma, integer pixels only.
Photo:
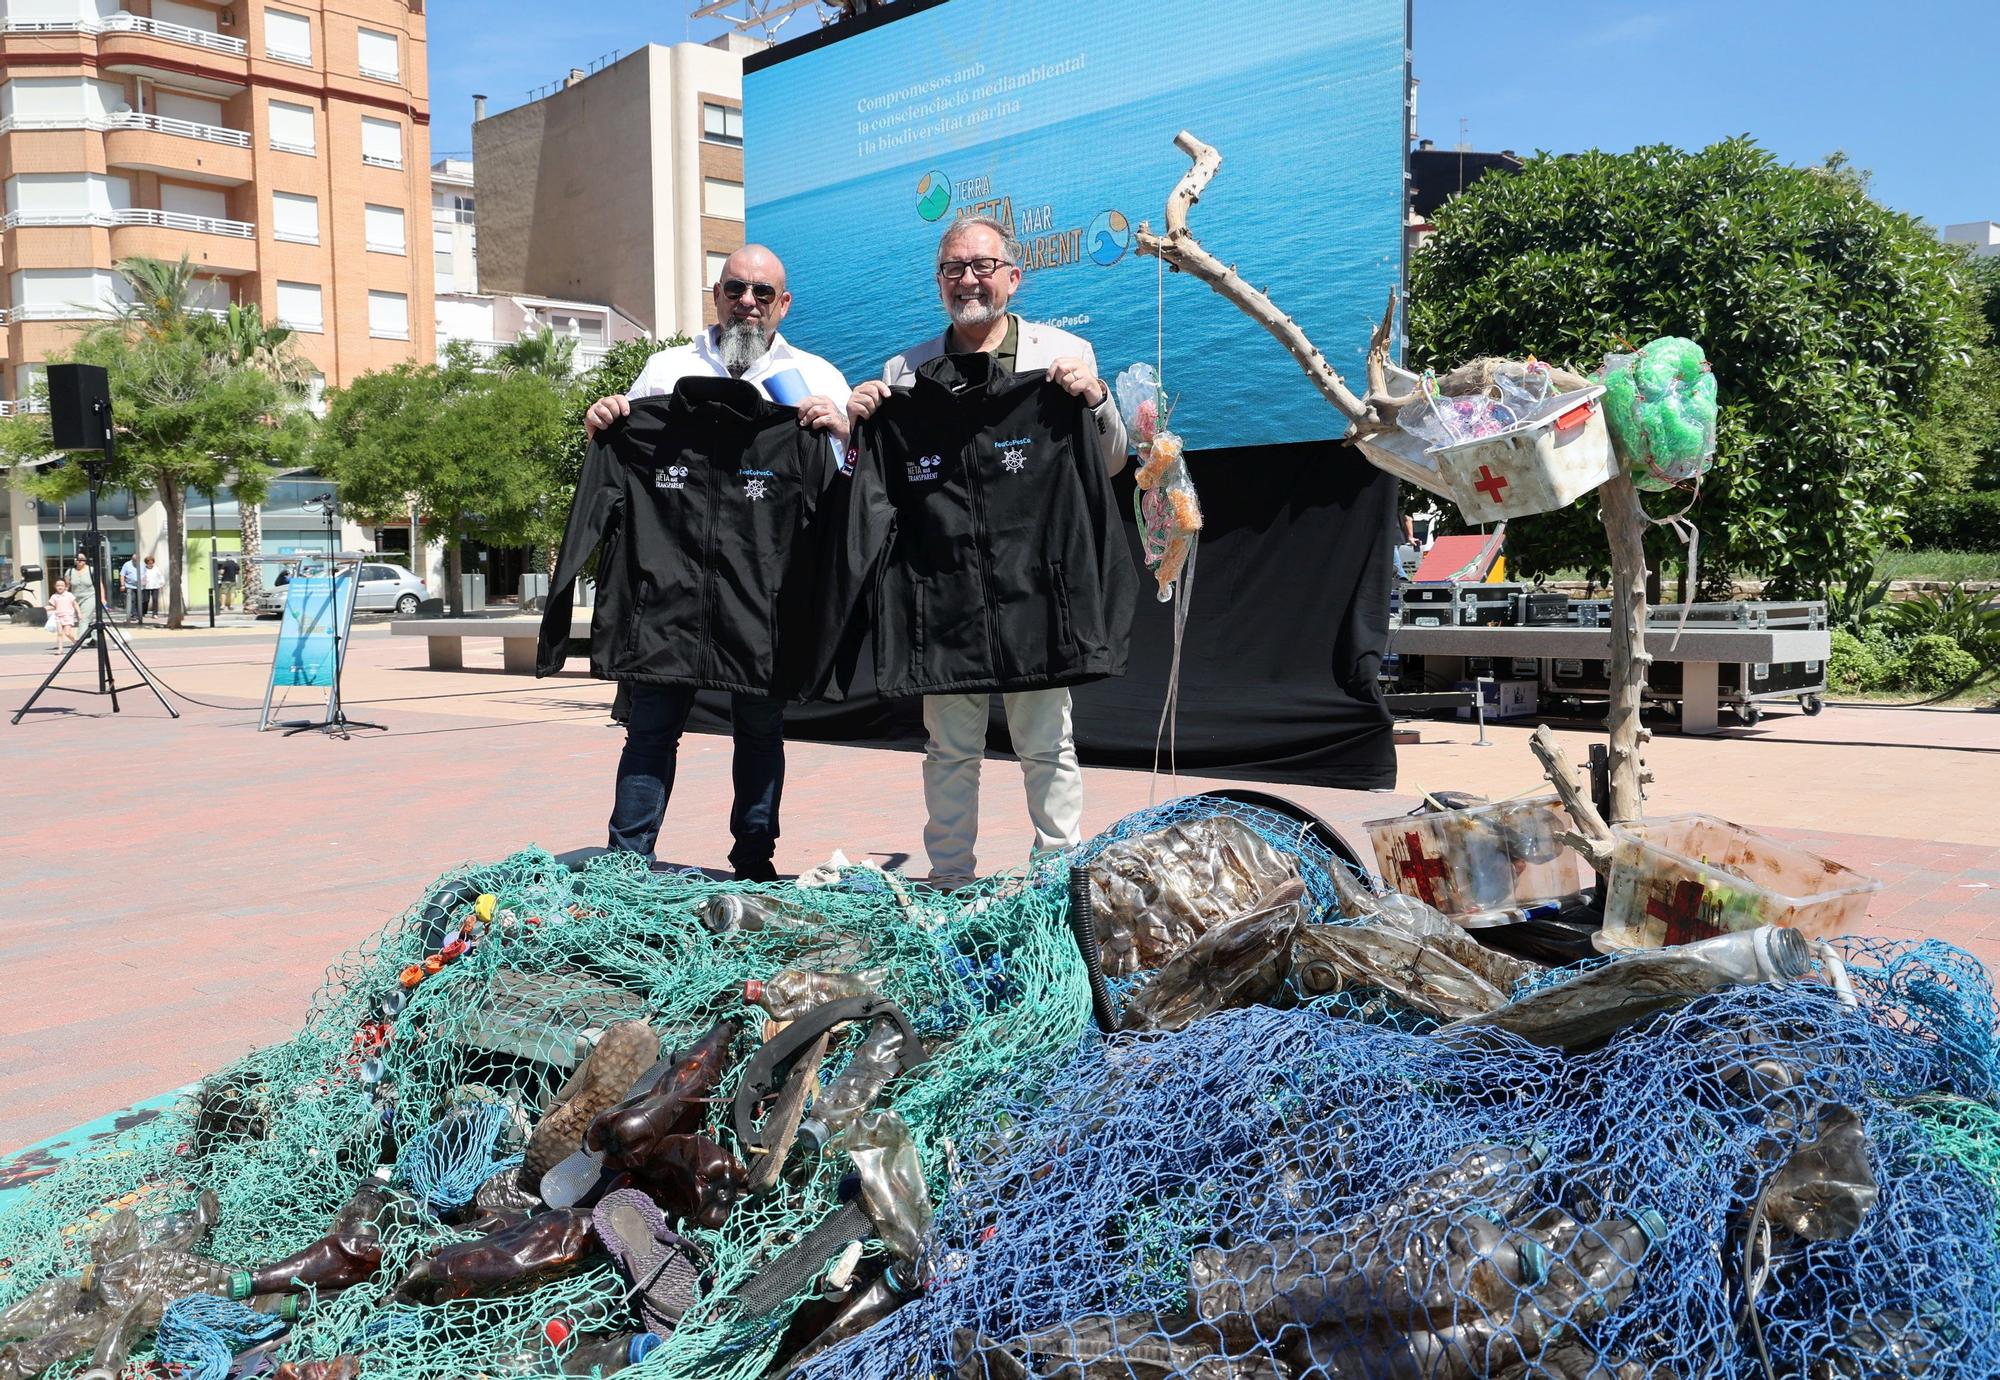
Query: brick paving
[{"x": 171, "y": 893}]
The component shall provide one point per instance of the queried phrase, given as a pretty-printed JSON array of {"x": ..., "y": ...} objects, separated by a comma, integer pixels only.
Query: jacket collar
[
  {"x": 958, "y": 375},
  {"x": 738, "y": 396}
]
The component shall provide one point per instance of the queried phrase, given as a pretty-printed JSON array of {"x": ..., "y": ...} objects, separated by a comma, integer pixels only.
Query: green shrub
[
  {"x": 1935, "y": 664},
  {"x": 1852, "y": 665},
  {"x": 1968, "y": 521}
]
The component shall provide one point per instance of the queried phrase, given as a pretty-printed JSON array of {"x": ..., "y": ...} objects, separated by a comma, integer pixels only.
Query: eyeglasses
[
  {"x": 733, "y": 288},
  {"x": 951, "y": 270}
]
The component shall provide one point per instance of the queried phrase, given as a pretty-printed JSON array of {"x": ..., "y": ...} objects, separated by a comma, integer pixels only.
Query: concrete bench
[{"x": 518, "y": 638}]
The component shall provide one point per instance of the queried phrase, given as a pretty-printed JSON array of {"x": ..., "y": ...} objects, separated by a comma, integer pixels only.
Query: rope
[
  {"x": 203, "y": 1334},
  {"x": 445, "y": 1164}
]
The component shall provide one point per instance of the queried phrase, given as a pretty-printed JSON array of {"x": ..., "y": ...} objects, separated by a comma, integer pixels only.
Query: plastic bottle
[
  {"x": 631, "y": 1131},
  {"x": 893, "y": 1192},
  {"x": 607, "y": 1353},
  {"x": 1599, "y": 1269},
  {"x": 1241, "y": 962},
  {"x": 693, "y": 1178},
  {"x": 543, "y": 1246},
  {"x": 874, "y": 1064},
  {"x": 752, "y": 913},
  {"x": 1413, "y": 1273},
  {"x": 1596, "y": 1004},
  {"x": 792, "y": 993},
  {"x": 349, "y": 1254}
]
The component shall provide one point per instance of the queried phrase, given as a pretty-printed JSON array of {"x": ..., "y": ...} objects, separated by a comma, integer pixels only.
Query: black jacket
[
  {"x": 706, "y": 503},
  {"x": 983, "y": 537}
]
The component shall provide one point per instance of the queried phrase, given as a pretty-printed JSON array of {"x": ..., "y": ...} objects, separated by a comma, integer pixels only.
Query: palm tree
[
  {"x": 162, "y": 293},
  {"x": 242, "y": 337},
  {"x": 541, "y": 352}
]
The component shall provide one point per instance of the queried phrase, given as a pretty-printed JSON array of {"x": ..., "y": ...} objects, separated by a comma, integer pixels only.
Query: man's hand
[
  {"x": 1076, "y": 376},
  {"x": 823, "y": 414},
  {"x": 604, "y": 412},
  {"x": 863, "y": 401}
]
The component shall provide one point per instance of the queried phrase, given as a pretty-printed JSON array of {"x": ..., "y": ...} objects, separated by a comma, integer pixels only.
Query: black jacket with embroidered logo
[
  {"x": 706, "y": 503},
  {"x": 983, "y": 535}
]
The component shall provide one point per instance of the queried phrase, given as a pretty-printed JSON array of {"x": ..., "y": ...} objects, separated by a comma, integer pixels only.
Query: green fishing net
[{"x": 989, "y": 976}]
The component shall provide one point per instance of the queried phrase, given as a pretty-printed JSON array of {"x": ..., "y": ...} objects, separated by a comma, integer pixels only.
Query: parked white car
[{"x": 382, "y": 586}]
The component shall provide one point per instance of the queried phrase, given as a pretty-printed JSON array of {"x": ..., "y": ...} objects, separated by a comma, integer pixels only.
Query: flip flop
[{"x": 654, "y": 1257}]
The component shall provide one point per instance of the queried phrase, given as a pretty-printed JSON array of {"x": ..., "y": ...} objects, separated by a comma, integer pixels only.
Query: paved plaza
[{"x": 171, "y": 893}]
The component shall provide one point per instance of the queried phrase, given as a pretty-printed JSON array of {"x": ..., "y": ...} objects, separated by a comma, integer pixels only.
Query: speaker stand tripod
[{"x": 101, "y": 636}]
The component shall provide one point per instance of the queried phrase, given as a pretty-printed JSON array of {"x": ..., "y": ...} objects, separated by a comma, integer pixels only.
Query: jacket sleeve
[
  {"x": 593, "y": 514},
  {"x": 1106, "y": 421},
  {"x": 857, "y": 523}
]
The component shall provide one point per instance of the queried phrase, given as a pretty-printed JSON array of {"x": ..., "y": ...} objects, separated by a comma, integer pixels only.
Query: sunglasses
[{"x": 733, "y": 288}]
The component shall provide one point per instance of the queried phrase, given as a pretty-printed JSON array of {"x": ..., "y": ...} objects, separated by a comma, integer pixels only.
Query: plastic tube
[{"x": 1083, "y": 924}]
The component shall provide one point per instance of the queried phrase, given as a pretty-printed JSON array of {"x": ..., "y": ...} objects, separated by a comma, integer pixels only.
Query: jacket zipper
[
  {"x": 976, "y": 488},
  {"x": 708, "y": 564}
]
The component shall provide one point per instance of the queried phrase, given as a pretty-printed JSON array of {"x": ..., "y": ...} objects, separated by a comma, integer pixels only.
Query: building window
[
  {"x": 389, "y": 315},
  {"x": 715, "y": 263},
  {"x": 294, "y": 218},
  {"x": 288, "y": 37},
  {"x": 292, "y": 128},
  {"x": 720, "y": 197},
  {"x": 378, "y": 56},
  {"x": 722, "y": 124},
  {"x": 381, "y": 143},
  {"x": 385, "y": 229},
  {"x": 299, "y": 307}
]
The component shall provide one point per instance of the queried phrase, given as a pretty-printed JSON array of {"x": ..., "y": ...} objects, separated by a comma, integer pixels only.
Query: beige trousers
[{"x": 1038, "y": 721}]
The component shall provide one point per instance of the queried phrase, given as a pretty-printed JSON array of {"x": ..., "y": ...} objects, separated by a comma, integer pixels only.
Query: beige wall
[
  {"x": 594, "y": 192},
  {"x": 332, "y": 86}
]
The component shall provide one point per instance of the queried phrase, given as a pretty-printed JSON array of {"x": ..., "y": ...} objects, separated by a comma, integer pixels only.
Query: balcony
[
  {"x": 173, "y": 53},
  {"x": 210, "y": 242},
  {"x": 178, "y": 148},
  {"x": 10, "y": 408}
]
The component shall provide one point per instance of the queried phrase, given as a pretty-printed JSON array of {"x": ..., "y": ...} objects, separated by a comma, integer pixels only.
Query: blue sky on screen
[{"x": 1905, "y": 91}]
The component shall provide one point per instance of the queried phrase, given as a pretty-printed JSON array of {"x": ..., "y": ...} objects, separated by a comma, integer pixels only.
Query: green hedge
[{"x": 1956, "y": 522}]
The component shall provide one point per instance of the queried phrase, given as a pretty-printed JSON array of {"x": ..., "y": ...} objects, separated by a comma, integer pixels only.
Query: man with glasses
[
  {"x": 750, "y": 302},
  {"x": 978, "y": 273}
]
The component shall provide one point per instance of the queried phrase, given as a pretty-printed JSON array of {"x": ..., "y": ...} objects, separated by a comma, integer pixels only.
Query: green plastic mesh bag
[{"x": 1660, "y": 407}]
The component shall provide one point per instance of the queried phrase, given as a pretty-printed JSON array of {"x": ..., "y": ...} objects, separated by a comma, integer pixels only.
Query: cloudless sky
[{"x": 1906, "y": 90}]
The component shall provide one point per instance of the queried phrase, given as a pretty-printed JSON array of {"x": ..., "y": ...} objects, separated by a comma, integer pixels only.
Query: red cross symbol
[
  {"x": 1683, "y": 914},
  {"x": 1425, "y": 872},
  {"x": 1490, "y": 483}
]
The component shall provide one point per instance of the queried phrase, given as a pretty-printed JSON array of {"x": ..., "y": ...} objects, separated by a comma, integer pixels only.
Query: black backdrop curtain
[{"x": 1288, "y": 621}]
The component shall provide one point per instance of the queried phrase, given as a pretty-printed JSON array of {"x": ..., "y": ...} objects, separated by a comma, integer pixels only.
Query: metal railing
[
  {"x": 309, "y": 150},
  {"x": 180, "y": 220},
  {"x": 384, "y": 247},
  {"x": 6, "y": 315},
  {"x": 64, "y": 311},
  {"x": 186, "y": 129},
  {"x": 287, "y": 55},
  {"x": 11, "y": 408},
  {"x": 175, "y": 33},
  {"x": 377, "y": 161},
  {"x": 129, "y": 119},
  {"x": 452, "y": 215},
  {"x": 379, "y": 73}
]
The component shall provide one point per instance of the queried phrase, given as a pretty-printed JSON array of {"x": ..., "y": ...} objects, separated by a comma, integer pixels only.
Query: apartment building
[
  {"x": 284, "y": 148},
  {"x": 625, "y": 187}
]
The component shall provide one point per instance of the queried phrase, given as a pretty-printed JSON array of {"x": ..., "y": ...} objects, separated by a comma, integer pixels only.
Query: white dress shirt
[{"x": 703, "y": 357}]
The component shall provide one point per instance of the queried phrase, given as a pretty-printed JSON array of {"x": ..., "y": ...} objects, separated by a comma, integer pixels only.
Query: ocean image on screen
[{"x": 1059, "y": 120}]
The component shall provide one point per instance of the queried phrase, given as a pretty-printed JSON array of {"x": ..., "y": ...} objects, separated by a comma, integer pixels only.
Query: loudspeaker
[{"x": 74, "y": 392}]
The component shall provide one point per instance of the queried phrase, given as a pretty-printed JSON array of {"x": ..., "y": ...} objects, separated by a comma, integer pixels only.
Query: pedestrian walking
[
  {"x": 225, "y": 581},
  {"x": 154, "y": 580},
  {"x": 130, "y": 579},
  {"x": 83, "y": 584},
  {"x": 62, "y": 615}
]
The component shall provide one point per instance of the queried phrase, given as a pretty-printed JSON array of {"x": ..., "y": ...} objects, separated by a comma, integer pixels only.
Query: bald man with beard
[{"x": 750, "y": 301}]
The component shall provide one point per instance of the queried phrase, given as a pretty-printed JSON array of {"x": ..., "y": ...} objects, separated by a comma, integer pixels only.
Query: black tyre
[
  {"x": 1812, "y": 704},
  {"x": 1749, "y": 714},
  {"x": 407, "y": 605}
]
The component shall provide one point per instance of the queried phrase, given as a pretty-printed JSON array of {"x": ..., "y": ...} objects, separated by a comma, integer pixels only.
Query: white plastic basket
[{"x": 1539, "y": 466}]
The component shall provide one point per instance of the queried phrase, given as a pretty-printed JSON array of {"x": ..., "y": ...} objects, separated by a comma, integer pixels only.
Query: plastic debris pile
[{"x": 558, "y": 1121}]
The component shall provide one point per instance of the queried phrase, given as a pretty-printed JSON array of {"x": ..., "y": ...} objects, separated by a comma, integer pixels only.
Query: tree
[
  {"x": 162, "y": 293},
  {"x": 469, "y": 449},
  {"x": 244, "y": 338},
  {"x": 1832, "y": 323},
  {"x": 612, "y": 374},
  {"x": 541, "y": 352},
  {"x": 185, "y": 419}
]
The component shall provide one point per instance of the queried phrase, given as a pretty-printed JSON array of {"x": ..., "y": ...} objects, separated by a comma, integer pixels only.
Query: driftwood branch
[
  {"x": 1179, "y": 250},
  {"x": 1625, "y": 528},
  {"x": 1592, "y": 836}
]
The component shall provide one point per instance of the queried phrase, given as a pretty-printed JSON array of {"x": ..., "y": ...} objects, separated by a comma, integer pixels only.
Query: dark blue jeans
[{"x": 646, "y": 771}]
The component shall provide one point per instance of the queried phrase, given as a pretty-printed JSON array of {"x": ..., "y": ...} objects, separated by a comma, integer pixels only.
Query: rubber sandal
[{"x": 652, "y": 1254}]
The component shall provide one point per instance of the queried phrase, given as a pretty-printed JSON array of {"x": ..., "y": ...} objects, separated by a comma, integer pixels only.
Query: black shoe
[{"x": 757, "y": 872}]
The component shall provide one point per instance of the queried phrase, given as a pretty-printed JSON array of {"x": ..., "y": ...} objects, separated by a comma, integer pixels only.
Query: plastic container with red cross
[
  {"x": 1546, "y": 462},
  {"x": 1482, "y": 866},
  {"x": 1685, "y": 877}
]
